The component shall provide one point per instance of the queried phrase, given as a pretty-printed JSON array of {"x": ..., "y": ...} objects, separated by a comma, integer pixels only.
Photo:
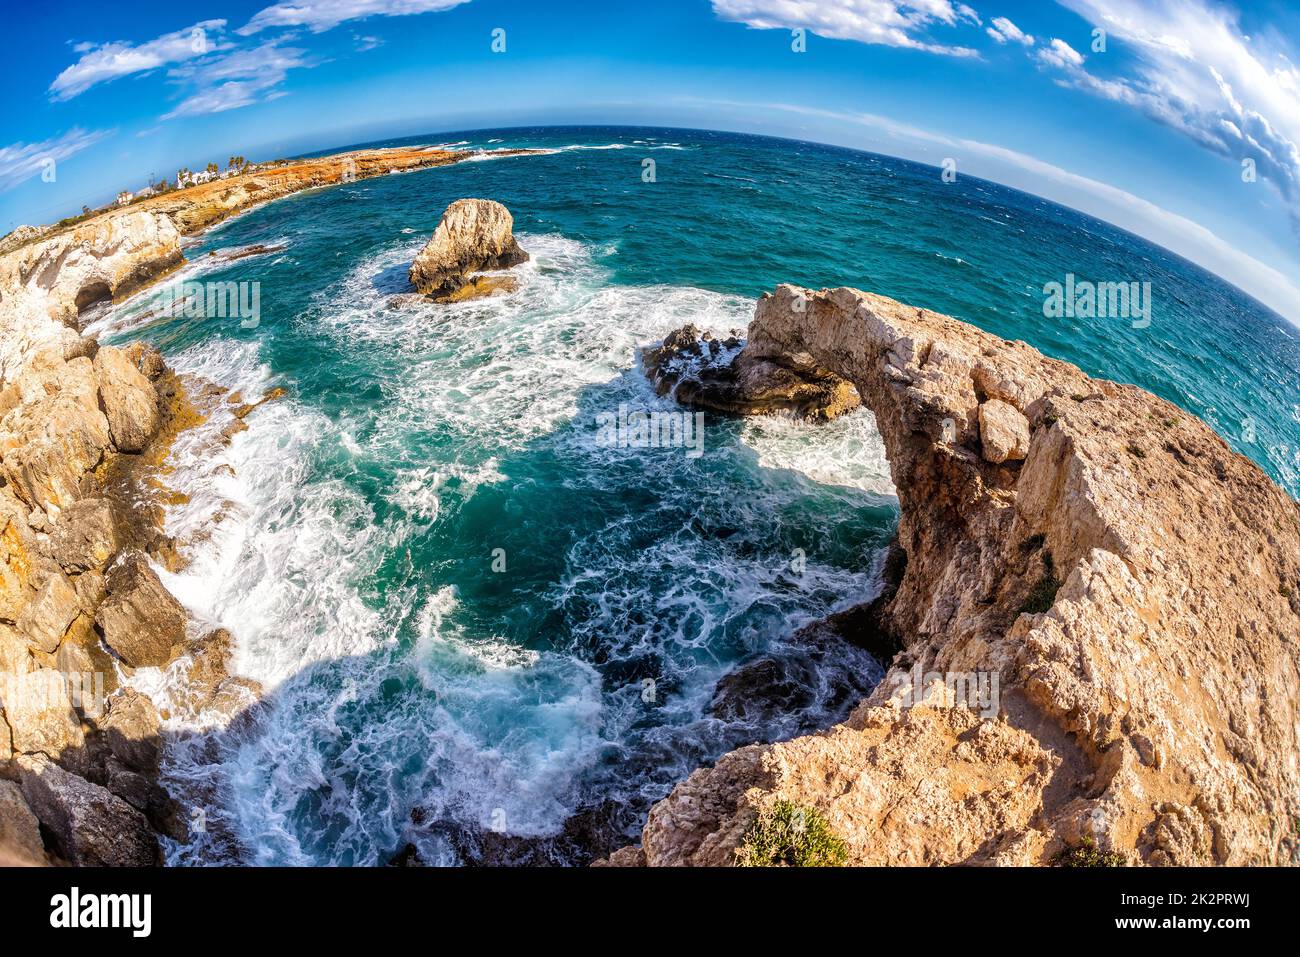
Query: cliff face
[{"x": 1098, "y": 621}]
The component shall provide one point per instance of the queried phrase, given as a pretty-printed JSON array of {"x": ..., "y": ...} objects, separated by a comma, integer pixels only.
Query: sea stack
[{"x": 474, "y": 235}]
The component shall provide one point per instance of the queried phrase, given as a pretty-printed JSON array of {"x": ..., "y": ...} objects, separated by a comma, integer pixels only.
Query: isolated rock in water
[
  {"x": 1097, "y": 619},
  {"x": 474, "y": 235},
  {"x": 128, "y": 398},
  {"x": 90, "y": 825},
  {"x": 141, "y": 620},
  {"x": 1004, "y": 431},
  {"x": 718, "y": 375},
  {"x": 20, "y": 834}
]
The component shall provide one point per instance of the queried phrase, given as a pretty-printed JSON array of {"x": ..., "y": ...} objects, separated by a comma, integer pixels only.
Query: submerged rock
[
  {"x": 720, "y": 376},
  {"x": 474, "y": 235}
]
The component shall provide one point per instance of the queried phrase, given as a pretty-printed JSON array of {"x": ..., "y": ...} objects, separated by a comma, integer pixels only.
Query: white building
[{"x": 124, "y": 197}]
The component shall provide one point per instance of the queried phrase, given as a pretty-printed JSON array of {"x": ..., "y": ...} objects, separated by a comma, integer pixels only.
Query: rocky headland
[{"x": 1090, "y": 617}]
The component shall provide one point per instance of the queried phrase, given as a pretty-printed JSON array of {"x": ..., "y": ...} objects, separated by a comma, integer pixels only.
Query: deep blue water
[{"x": 472, "y": 615}]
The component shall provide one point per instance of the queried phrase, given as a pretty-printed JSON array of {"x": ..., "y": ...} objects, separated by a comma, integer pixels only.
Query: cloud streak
[
  {"x": 321, "y": 15},
  {"x": 1197, "y": 73},
  {"x": 894, "y": 23},
  {"x": 104, "y": 62},
  {"x": 21, "y": 161}
]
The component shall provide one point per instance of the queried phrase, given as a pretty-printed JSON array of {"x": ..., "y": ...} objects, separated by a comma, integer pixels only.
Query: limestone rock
[
  {"x": 1004, "y": 431},
  {"x": 718, "y": 375},
  {"x": 47, "y": 618},
  {"x": 38, "y": 708},
  {"x": 49, "y": 445},
  {"x": 140, "y": 619},
  {"x": 91, "y": 826},
  {"x": 474, "y": 235},
  {"x": 1134, "y": 609},
  {"x": 128, "y": 398},
  {"x": 86, "y": 535},
  {"x": 20, "y": 835},
  {"x": 132, "y": 729}
]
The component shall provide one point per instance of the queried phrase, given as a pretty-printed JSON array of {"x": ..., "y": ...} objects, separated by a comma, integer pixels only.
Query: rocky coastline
[
  {"x": 85, "y": 432},
  {"x": 1090, "y": 621}
]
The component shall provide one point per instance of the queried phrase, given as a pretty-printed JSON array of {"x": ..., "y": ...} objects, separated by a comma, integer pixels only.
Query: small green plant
[
  {"x": 1136, "y": 452},
  {"x": 1284, "y": 590},
  {"x": 1043, "y": 594},
  {"x": 787, "y": 835},
  {"x": 1079, "y": 397},
  {"x": 1086, "y": 854}
]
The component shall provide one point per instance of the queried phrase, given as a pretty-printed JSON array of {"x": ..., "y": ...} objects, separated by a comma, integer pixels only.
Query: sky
[{"x": 1178, "y": 120}]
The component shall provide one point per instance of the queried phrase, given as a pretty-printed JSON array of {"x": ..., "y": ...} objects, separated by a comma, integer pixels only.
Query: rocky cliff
[{"x": 1095, "y": 612}]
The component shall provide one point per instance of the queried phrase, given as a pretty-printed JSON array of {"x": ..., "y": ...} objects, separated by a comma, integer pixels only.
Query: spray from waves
[{"x": 395, "y": 691}]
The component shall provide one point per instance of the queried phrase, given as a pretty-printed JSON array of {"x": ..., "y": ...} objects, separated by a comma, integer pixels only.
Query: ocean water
[{"x": 474, "y": 619}]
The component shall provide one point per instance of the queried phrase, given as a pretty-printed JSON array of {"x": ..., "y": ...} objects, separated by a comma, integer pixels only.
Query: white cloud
[
  {"x": 367, "y": 43},
  {"x": 895, "y": 23},
  {"x": 1003, "y": 30},
  {"x": 1109, "y": 203},
  {"x": 1198, "y": 74},
  {"x": 321, "y": 15},
  {"x": 1061, "y": 55},
  {"x": 22, "y": 161},
  {"x": 102, "y": 62},
  {"x": 236, "y": 79}
]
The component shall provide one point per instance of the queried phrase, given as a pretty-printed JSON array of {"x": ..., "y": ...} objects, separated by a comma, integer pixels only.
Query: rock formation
[
  {"x": 473, "y": 236},
  {"x": 1097, "y": 617},
  {"x": 717, "y": 375}
]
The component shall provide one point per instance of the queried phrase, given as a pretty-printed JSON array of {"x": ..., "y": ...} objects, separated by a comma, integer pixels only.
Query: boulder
[
  {"x": 128, "y": 399},
  {"x": 20, "y": 834},
  {"x": 86, "y": 535},
  {"x": 38, "y": 708},
  {"x": 46, "y": 619},
  {"x": 48, "y": 446},
  {"x": 90, "y": 825},
  {"x": 474, "y": 235},
  {"x": 1004, "y": 432},
  {"x": 132, "y": 730},
  {"x": 141, "y": 621}
]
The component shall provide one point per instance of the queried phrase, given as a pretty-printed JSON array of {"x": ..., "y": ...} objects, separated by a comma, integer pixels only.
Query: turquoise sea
[{"x": 472, "y": 618}]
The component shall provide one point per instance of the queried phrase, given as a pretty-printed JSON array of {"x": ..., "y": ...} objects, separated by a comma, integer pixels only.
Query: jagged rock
[
  {"x": 128, "y": 398},
  {"x": 474, "y": 235},
  {"x": 140, "y": 619},
  {"x": 20, "y": 834},
  {"x": 49, "y": 445},
  {"x": 46, "y": 619},
  {"x": 720, "y": 376},
  {"x": 90, "y": 825},
  {"x": 1004, "y": 431},
  {"x": 86, "y": 535},
  {"x": 132, "y": 730},
  {"x": 147, "y": 359},
  {"x": 38, "y": 708},
  {"x": 1125, "y": 628}
]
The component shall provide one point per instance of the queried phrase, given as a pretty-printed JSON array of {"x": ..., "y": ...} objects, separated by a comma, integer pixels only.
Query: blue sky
[{"x": 1149, "y": 133}]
